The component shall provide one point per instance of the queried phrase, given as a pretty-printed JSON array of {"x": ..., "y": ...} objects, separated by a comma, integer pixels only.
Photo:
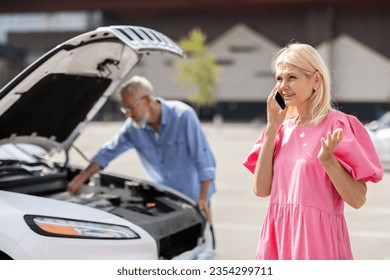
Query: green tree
[{"x": 199, "y": 70}]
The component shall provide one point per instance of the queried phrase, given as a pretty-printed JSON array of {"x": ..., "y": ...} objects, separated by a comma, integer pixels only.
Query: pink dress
[{"x": 305, "y": 218}]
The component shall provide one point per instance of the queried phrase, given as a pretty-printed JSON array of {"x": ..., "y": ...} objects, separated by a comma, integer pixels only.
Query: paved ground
[{"x": 237, "y": 213}]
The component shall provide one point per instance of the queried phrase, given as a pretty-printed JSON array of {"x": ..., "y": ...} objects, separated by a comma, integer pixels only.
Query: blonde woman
[{"x": 310, "y": 159}]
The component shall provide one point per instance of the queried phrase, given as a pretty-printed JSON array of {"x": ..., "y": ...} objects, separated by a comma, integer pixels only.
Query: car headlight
[{"x": 69, "y": 228}]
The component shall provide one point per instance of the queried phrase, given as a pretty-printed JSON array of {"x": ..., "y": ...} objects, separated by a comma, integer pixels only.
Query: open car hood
[{"x": 52, "y": 100}]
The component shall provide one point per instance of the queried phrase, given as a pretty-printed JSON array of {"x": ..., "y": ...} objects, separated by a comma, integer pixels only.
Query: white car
[
  {"x": 379, "y": 131},
  {"x": 42, "y": 112}
]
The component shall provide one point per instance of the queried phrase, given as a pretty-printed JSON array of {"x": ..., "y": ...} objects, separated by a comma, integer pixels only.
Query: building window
[
  {"x": 225, "y": 61},
  {"x": 243, "y": 49}
]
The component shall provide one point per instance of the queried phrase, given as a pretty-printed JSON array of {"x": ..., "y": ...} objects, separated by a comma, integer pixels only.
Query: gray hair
[{"x": 138, "y": 85}]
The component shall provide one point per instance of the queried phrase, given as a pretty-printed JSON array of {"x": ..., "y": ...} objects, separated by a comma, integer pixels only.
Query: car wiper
[
  {"x": 7, "y": 162},
  {"x": 38, "y": 158},
  {"x": 12, "y": 170},
  {"x": 11, "y": 167}
]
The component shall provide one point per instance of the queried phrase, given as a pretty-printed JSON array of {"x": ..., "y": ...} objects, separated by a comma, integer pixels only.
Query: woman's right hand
[
  {"x": 263, "y": 174},
  {"x": 275, "y": 116}
]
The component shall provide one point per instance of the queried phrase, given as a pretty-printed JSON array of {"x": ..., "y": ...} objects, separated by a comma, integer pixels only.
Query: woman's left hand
[
  {"x": 329, "y": 145},
  {"x": 351, "y": 191}
]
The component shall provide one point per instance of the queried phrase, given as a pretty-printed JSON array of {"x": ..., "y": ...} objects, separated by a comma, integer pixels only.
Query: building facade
[{"x": 353, "y": 36}]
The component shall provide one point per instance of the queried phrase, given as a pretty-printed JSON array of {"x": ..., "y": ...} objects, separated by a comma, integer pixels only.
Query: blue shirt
[{"x": 179, "y": 156}]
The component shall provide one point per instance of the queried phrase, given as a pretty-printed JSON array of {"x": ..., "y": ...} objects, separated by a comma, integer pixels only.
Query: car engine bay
[{"x": 175, "y": 224}]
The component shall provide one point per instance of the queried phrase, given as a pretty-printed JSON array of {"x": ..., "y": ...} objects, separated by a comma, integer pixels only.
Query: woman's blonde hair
[{"x": 309, "y": 61}]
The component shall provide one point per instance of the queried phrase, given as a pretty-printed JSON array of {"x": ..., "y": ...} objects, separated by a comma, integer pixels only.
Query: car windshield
[{"x": 22, "y": 152}]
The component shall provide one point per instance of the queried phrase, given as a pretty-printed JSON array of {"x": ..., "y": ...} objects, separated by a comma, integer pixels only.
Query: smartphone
[{"x": 279, "y": 100}]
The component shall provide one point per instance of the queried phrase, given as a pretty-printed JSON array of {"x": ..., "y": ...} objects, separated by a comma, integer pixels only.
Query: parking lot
[{"x": 237, "y": 213}]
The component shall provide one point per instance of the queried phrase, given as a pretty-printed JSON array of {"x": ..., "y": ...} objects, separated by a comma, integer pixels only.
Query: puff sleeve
[
  {"x": 356, "y": 152},
  {"x": 251, "y": 159}
]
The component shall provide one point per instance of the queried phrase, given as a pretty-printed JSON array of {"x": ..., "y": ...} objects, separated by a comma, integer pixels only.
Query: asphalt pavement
[{"x": 237, "y": 212}]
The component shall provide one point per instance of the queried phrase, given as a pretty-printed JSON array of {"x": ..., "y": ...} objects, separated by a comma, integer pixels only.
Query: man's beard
[{"x": 142, "y": 122}]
